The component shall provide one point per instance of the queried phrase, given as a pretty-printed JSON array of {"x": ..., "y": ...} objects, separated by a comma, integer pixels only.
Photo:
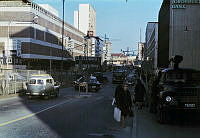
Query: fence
[{"x": 13, "y": 81}]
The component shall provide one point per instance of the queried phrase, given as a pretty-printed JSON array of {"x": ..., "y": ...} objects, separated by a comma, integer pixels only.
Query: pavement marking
[{"x": 30, "y": 115}]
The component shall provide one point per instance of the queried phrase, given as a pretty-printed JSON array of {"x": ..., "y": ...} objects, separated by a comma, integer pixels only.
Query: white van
[{"x": 42, "y": 85}]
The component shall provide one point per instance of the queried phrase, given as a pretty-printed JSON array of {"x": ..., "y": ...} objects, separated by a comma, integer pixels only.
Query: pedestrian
[
  {"x": 139, "y": 93},
  {"x": 123, "y": 102}
]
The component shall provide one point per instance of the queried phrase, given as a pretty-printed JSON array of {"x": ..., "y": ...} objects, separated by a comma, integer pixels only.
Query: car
[
  {"x": 42, "y": 85},
  {"x": 118, "y": 76},
  {"x": 77, "y": 82},
  {"x": 177, "y": 90},
  {"x": 100, "y": 77},
  {"x": 130, "y": 80},
  {"x": 91, "y": 83}
]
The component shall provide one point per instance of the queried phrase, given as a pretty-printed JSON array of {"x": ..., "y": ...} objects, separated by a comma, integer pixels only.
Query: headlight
[{"x": 168, "y": 99}]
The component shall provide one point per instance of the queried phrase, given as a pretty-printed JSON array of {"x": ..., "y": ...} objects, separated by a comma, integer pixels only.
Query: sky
[{"x": 121, "y": 21}]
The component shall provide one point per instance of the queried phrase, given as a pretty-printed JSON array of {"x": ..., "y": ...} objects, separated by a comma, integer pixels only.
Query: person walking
[
  {"x": 123, "y": 102},
  {"x": 139, "y": 93}
]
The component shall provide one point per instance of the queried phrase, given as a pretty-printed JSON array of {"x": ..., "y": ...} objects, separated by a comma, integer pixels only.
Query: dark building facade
[
  {"x": 179, "y": 32},
  {"x": 163, "y": 34}
]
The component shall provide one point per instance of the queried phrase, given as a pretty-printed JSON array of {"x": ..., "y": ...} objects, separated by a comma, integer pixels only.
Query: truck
[{"x": 175, "y": 90}]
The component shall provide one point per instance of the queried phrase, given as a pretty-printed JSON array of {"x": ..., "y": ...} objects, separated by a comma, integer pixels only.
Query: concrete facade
[
  {"x": 179, "y": 32},
  {"x": 141, "y": 51},
  {"x": 151, "y": 46},
  {"x": 32, "y": 39},
  {"x": 85, "y": 19}
]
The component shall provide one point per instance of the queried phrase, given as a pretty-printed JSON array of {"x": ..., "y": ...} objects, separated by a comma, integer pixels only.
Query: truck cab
[{"x": 178, "y": 89}]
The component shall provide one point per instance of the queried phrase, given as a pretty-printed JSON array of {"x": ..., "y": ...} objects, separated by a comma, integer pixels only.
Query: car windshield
[
  {"x": 94, "y": 80},
  {"x": 40, "y": 82},
  {"x": 32, "y": 81},
  {"x": 175, "y": 77},
  {"x": 192, "y": 77},
  {"x": 118, "y": 73}
]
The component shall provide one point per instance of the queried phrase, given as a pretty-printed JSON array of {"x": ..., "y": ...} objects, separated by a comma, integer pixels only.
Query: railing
[{"x": 14, "y": 81}]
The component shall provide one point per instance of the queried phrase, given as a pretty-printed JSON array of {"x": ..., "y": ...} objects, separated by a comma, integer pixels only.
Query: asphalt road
[{"x": 69, "y": 116}]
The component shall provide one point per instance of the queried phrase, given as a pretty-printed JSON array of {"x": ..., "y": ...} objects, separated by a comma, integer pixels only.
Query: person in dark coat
[
  {"x": 139, "y": 93},
  {"x": 123, "y": 102}
]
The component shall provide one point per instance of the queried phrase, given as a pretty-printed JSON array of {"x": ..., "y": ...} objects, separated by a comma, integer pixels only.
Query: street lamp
[{"x": 62, "y": 38}]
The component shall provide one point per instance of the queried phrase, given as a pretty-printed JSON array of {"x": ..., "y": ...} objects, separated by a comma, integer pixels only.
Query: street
[
  {"x": 70, "y": 116},
  {"x": 89, "y": 115}
]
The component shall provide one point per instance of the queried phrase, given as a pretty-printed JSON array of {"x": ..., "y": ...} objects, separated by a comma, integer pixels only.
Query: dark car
[
  {"x": 118, "y": 76},
  {"x": 100, "y": 77},
  {"x": 91, "y": 82},
  {"x": 77, "y": 82},
  {"x": 130, "y": 80}
]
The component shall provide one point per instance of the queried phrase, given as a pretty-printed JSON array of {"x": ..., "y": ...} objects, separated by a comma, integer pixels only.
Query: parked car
[
  {"x": 92, "y": 83},
  {"x": 100, "y": 77},
  {"x": 77, "y": 82},
  {"x": 42, "y": 85}
]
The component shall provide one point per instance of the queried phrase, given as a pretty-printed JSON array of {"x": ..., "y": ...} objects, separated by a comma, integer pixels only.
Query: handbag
[
  {"x": 117, "y": 114},
  {"x": 114, "y": 101}
]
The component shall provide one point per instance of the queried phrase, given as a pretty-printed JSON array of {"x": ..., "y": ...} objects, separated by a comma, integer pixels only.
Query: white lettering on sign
[
  {"x": 186, "y": 1},
  {"x": 179, "y": 6}
]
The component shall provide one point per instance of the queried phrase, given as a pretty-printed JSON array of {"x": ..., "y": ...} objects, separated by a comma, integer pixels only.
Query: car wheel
[
  {"x": 30, "y": 97},
  {"x": 47, "y": 97}
]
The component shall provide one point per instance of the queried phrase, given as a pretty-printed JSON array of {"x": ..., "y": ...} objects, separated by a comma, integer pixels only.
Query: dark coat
[
  {"x": 139, "y": 91},
  {"x": 123, "y": 100}
]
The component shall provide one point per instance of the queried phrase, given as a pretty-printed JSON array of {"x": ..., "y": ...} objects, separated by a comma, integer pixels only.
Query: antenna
[{"x": 140, "y": 36}]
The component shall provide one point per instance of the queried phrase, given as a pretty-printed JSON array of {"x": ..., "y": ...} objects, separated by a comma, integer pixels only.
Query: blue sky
[{"x": 115, "y": 18}]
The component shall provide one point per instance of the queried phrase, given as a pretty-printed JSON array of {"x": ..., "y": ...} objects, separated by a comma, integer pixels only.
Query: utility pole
[{"x": 63, "y": 23}]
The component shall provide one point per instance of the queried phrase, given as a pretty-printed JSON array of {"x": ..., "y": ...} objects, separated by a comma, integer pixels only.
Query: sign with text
[{"x": 181, "y": 4}]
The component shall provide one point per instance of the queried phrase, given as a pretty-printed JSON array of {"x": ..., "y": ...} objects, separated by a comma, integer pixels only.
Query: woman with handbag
[{"x": 123, "y": 102}]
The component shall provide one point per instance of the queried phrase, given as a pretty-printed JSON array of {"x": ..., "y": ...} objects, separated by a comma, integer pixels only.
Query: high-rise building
[
  {"x": 179, "y": 32},
  {"x": 49, "y": 9},
  {"x": 151, "y": 44},
  {"x": 107, "y": 49},
  {"x": 85, "y": 19},
  {"x": 141, "y": 51}
]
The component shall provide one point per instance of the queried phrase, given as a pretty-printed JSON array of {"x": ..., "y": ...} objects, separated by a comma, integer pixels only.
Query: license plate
[
  {"x": 189, "y": 105},
  {"x": 93, "y": 86},
  {"x": 35, "y": 93}
]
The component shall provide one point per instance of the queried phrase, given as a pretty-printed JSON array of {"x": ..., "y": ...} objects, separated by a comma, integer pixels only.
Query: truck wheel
[{"x": 162, "y": 116}]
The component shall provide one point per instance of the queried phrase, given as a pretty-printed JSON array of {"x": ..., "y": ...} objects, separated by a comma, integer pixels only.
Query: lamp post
[{"x": 63, "y": 23}]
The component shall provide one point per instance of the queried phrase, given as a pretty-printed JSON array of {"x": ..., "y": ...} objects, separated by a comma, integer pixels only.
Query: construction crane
[{"x": 109, "y": 39}]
